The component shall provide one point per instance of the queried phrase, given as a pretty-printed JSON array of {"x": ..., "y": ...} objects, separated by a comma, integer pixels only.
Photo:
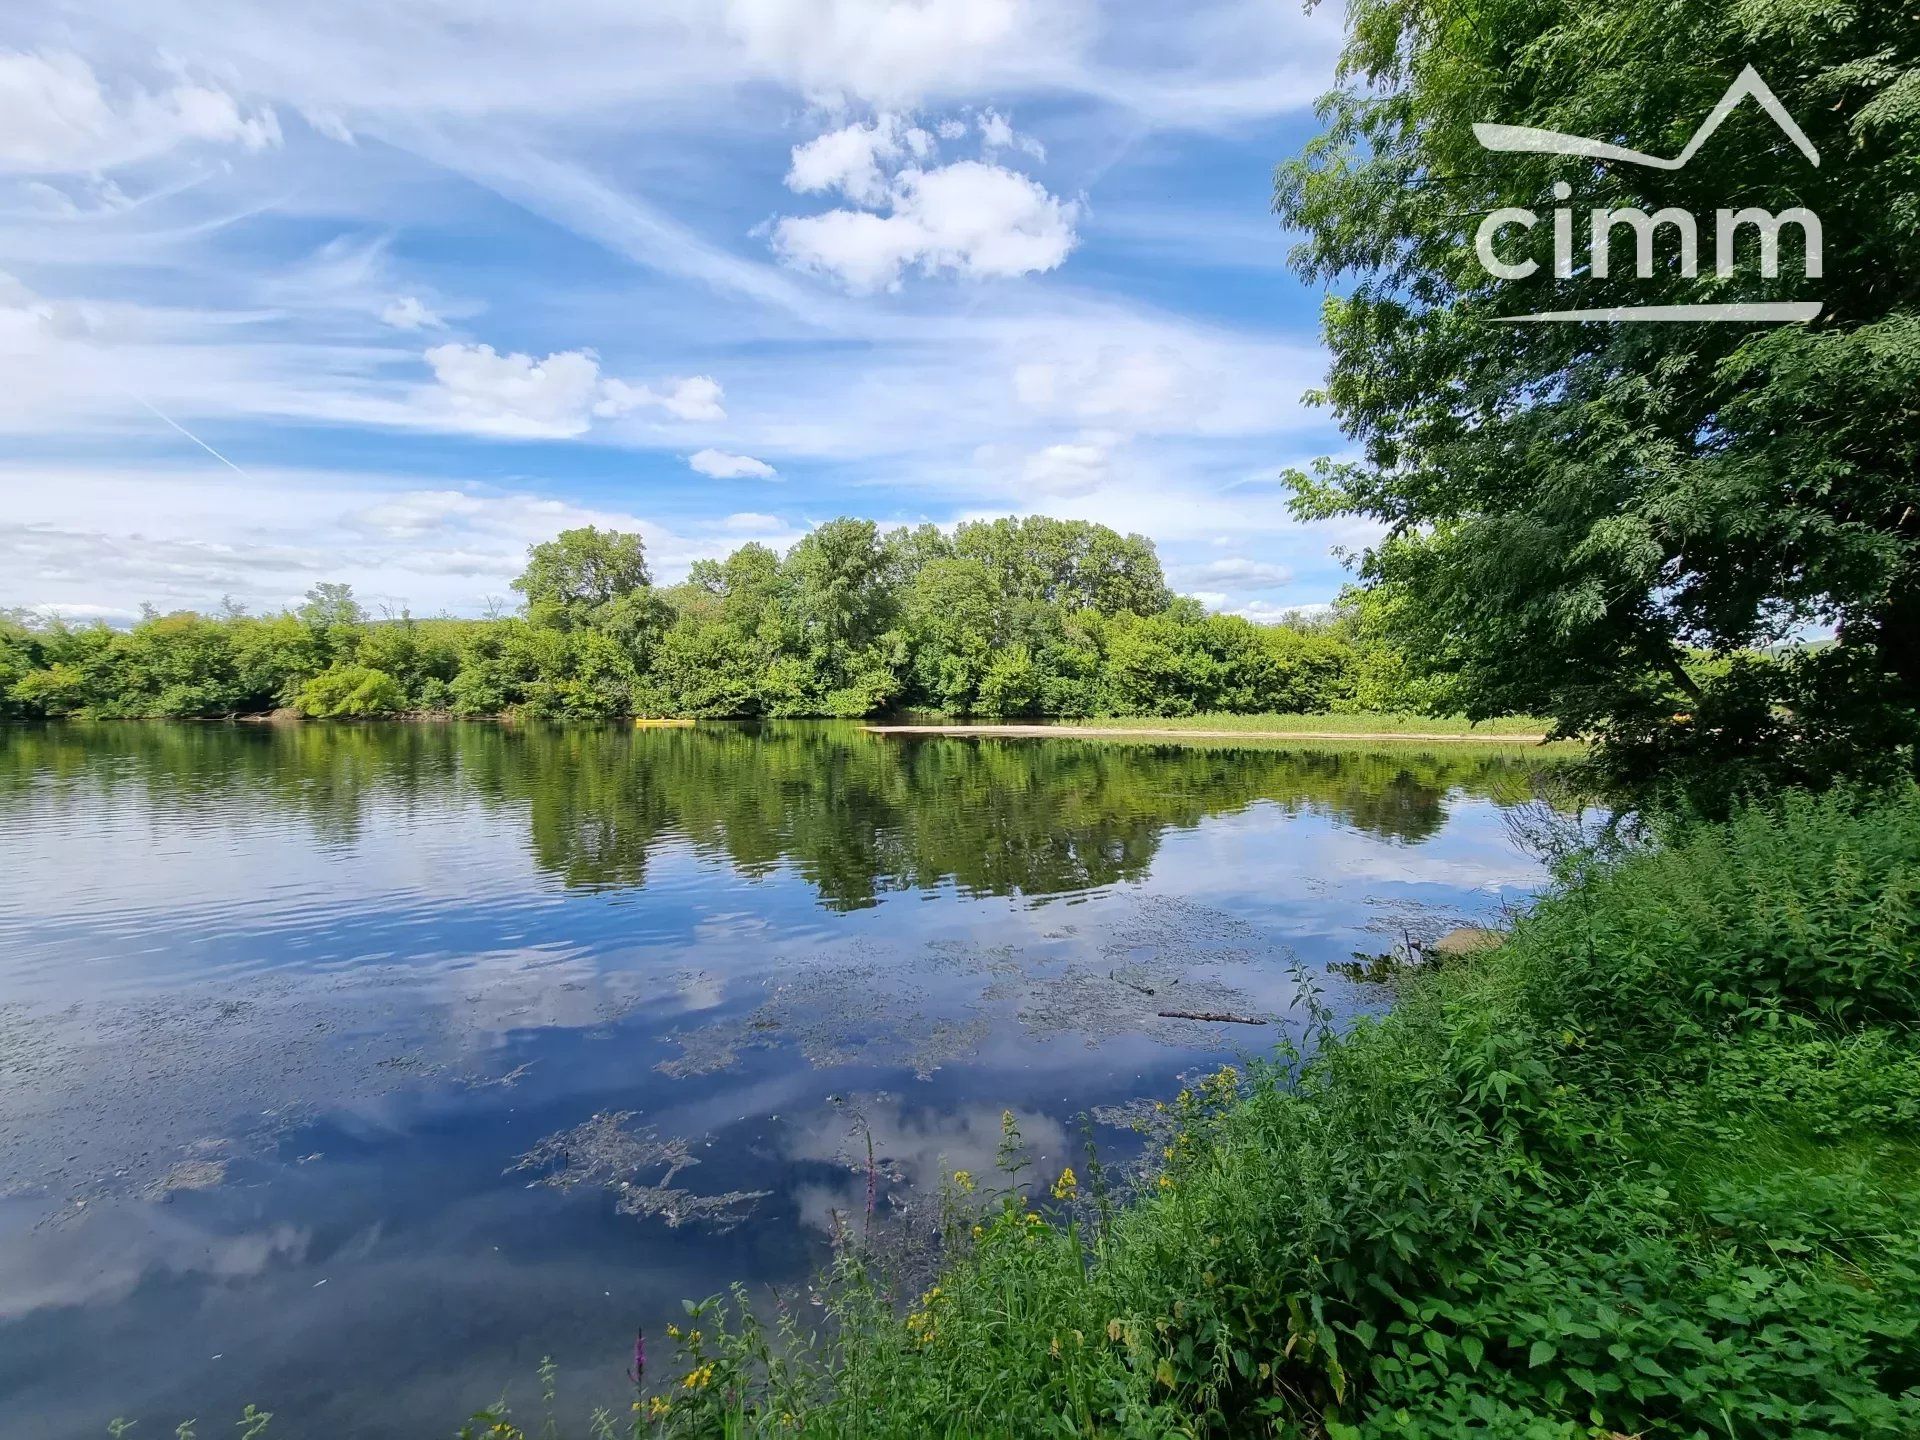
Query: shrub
[{"x": 348, "y": 691}]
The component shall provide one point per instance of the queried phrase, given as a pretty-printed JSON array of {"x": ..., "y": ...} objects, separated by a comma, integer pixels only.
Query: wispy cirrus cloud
[{"x": 527, "y": 249}]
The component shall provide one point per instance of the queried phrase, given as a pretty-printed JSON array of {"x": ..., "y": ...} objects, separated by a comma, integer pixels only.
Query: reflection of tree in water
[
  {"x": 329, "y": 775},
  {"x": 858, "y": 815}
]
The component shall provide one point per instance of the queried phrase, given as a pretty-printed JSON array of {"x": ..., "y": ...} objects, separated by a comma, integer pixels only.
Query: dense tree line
[{"x": 1004, "y": 617}]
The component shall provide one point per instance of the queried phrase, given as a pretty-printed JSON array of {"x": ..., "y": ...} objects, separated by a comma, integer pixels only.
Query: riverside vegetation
[{"x": 1008, "y": 617}]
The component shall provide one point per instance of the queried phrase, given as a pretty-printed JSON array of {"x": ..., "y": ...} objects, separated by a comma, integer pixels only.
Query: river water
[{"x": 350, "y": 1070}]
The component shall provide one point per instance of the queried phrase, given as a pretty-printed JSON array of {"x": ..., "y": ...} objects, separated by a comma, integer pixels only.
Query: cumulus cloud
[
  {"x": 57, "y": 118},
  {"x": 409, "y": 312},
  {"x": 997, "y": 133},
  {"x": 971, "y": 218},
  {"x": 694, "y": 397},
  {"x": 850, "y": 159},
  {"x": 722, "y": 466},
  {"x": 555, "y": 398},
  {"x": 515, "y": 394}
]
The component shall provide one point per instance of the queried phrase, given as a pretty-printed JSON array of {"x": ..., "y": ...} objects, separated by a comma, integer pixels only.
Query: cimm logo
[{"x": 1604, "y": 226}]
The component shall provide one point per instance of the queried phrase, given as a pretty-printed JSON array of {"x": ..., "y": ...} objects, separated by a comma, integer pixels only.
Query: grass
[
  {"x": 1370, "y": 731},
  {"x": 1366, "y": 723}
]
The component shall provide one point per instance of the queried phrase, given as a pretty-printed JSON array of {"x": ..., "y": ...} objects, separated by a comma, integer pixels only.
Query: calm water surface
[{"x": 351, "y": 1070}]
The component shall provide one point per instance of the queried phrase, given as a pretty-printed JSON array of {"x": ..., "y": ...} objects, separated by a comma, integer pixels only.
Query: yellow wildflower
[
  {"x": 699, "y": 1377},
  {"x": 979, "y": 1231},
  {"x": 1066, "y": 1185},
  {"x": 963, "y": 1181},
  {"x": 1166, "y": 1182}
]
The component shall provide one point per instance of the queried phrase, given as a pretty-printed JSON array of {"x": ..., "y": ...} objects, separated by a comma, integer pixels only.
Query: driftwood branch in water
[{"x": 1221, "y": 1018}]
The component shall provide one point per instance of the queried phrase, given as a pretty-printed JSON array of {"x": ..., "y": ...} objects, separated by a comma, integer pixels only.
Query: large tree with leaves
[{"x": 1606, "y": 521}]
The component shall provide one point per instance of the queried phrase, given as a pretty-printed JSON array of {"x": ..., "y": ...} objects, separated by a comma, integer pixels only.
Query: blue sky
[{"x": 384, "y": 292}]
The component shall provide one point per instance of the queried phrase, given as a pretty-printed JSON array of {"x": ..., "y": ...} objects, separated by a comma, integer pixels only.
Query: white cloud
[
  {"x": 555, "y": 398},
  {"x": 972, "y": 218},
  {"x": 850, "y": 159},
  {"x": 410, "y": 313},
  {"x": 1067, "y": 469},
  {"x": 1239, "y": 572},
  {"x": 895, "y": 51},
  {"x": 57, "y": 118},
  {"x": 1264, "y": 612},
  {"x": 515, "y": 394},
  {"x": 997, "y": 133},
  {"x": 722, "y": 466},
  {"x": 749, "y": 522},
  {"x": 1134, "y": 384},
  {"x": 695, "y": 397}
]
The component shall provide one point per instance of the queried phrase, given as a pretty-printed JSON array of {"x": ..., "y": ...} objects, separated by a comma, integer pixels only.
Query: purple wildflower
[{"x": 639, "y": 1370}]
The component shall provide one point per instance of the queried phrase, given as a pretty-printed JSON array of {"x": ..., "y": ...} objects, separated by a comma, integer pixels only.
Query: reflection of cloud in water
[
  {"x": 836, "y": 1015},
  {"x": 1313, "y": 853},
  {"x": 105, "y": 1098},
  {"x": 915, "y": 1147},
  {"x": 105, "y": 1262}
]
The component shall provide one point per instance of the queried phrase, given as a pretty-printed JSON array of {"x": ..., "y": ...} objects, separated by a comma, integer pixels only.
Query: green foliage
[
  {"x": 1007, "y": 618},
  {"x": 570, "y": 580},
  {"x": 1647, "y": 1168},
  {"x": 1577, "y": 512},
  {"x": 349, "y": 691}
]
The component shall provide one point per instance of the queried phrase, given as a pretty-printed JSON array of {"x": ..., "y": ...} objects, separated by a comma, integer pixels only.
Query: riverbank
[
  {"x": 1124, "y": 730},
  {"x": 1650, "y": 1165}
]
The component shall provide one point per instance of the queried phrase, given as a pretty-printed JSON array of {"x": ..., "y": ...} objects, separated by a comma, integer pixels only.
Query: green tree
[
  {"x": 1074, "y": 564},
  {"x": 334, "y": 617},
  {"x": 1574, "y": 510},
  {"x": 572, "y": 578}
]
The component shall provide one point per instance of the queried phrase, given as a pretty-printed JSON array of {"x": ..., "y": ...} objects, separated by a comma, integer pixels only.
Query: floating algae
[
  {"x": 187, "y": 1175},
  {"x": 603, "y": 1151},
  {"x": 1100, "y": 1003},
  {"x": 840, "y": 1016}
]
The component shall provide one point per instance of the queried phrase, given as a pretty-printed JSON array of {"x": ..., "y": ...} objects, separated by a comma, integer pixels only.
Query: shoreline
[{"x": 1139, "y": 732}]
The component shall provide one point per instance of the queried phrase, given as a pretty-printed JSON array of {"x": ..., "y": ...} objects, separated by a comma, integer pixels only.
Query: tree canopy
[{"x": 1579, "y": 514}]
